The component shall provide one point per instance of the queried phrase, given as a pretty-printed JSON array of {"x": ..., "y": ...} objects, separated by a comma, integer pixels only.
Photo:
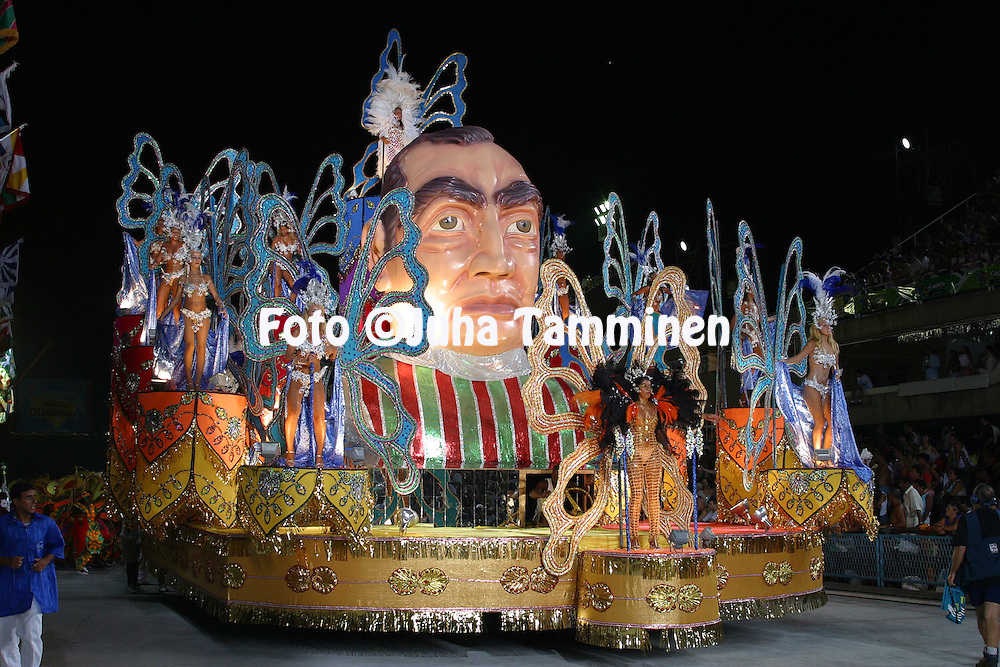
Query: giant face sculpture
[{"x": 479, "y": 216}]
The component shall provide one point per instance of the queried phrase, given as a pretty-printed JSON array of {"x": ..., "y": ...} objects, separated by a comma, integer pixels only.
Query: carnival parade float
[{"x": 313, "y": 434}]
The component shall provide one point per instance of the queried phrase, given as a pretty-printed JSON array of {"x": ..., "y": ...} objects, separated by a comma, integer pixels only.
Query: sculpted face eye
[
  {"x": 521, "y": 227},
  {"x": 448, "y": 223}
]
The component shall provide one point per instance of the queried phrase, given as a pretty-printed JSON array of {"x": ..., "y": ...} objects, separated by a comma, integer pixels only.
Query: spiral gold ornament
[
  {"x": 515, "y": 580},
  {"x": 298, "y": 578},
  {"x": 323, "y": 580}
]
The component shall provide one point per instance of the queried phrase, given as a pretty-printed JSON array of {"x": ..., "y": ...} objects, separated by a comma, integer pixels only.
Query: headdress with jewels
[
  {"x": 280, "y": 216},
  {"x": 559, "y": 226},
  {"x": 311, "y": 286},
  {"x": 194, "y": 222},
  {"x": 825, "y": 289}
]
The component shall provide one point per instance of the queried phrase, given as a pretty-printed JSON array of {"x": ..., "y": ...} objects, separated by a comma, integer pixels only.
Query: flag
[
  {"x": 5, "y": 110},
  {"x": 8, "y": 25},
  {"x": 13, "y": 170}
]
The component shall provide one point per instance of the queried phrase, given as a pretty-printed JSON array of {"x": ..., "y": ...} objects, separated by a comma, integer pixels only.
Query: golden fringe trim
[
  {"x": 745, "y": 610},
  {"x": 672, "y": 639},
  {"x": 337, "y": 548},
  {"x": 534, "y": 620},
  {"x": 768, "y": 543},
  {"x": 376, "y": 620},
  {"x": 649, "y": 566},
  {"x": 457, "y": 549}
]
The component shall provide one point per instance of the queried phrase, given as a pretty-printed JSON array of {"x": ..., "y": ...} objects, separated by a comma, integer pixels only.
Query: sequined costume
[
  {"x": 799, "y": 423},
  {"x": 645, "y": 466},
  {"x": 197, "y": 319}
]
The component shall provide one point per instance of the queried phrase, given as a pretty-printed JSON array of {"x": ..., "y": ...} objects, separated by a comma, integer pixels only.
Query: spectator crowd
[
  {"x": 924, "y": 480},
  {"x": 968, "y": 241}
]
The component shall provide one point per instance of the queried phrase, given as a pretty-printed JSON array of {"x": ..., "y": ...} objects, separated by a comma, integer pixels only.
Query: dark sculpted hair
[{"x": 394, "y": 176}]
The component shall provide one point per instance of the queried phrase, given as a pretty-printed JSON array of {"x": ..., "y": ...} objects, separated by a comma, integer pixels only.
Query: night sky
[{"x": 786, "y": 120}]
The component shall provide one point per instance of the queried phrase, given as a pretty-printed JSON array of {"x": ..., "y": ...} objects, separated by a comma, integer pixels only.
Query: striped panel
[{"x": 470, "y": 423}]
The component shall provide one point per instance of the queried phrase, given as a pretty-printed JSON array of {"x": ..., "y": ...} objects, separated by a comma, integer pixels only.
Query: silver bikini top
[
  {"x": 825, "y": 359},
  {"x": 190, "y": 289}
]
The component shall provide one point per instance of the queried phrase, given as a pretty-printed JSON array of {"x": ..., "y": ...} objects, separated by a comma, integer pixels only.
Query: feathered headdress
[
  {"x": 645, "y": 261},
  {"x": 280, "y": 215},
  {"x": 311, "y": 286},
  {"x": 397, "y": 90},
  {"x": 825, "y": 289},
  {"x": 559, "y": 226}
]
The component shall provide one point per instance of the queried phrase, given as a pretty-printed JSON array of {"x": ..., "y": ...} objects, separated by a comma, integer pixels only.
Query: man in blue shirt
[{"x": 29, "y": 542}]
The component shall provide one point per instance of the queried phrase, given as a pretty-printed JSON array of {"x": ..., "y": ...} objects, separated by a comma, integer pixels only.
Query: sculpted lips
[{"x": 484, "y": 304}]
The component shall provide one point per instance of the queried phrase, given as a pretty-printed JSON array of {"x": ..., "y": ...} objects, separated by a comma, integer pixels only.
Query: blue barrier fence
[{"x": 915, "y": 560}]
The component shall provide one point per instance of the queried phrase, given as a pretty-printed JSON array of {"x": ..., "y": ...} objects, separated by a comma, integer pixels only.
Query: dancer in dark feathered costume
[{"x": 644, "y": 426}]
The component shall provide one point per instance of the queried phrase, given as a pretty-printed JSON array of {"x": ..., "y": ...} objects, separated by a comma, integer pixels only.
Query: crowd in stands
[
  {"x": 969, "y": 239},
  {"x": 924, "y": 480}
]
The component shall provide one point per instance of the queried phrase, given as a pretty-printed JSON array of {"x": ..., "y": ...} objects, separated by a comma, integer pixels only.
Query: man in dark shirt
[{"x": 983, "y": 592}]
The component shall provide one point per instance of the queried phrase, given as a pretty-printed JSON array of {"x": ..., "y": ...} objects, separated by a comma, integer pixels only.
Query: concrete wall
[
  {"x": 888, "y": 407},
  {"x": 971, "y": 307}
]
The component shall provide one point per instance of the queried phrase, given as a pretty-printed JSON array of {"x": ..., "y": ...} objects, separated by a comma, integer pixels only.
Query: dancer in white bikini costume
[
  {"x": 191, "y": 291},
  {"x": 305, "y": 374},
  {"x": 824, "y": 355},
  {"x": 285, "y": 244},
  {"x": 169, "y": 255}
]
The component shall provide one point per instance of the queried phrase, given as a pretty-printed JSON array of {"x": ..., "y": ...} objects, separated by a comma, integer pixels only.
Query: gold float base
[{"x": 449, "y": 580}]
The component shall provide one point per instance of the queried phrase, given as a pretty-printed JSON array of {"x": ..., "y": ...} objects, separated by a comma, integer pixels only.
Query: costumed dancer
[
  {"x": 642, "y": 426},
  {"x": 559, "y": 248},
  {"x": 169, "y": 256},
  {"x": 287, "y": 245},
  {"x": 816, "y": 416},
  {"x": 306, "y": 375},
  {"x": 394, "y": 115},
  {"x": 192, "y": 291},
  {"x": 749, "y": 340}
]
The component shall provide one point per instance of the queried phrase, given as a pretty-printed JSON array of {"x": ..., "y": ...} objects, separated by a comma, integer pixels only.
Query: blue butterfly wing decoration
[
  {"x": 617, "y": 267},
  {"x": 718, "y": 305},
  {"x": 649, "y": 247},
  {"x": 442, "y": 90},
  {"x": 757, "y": 357},
  {"x": 147, "y": 190},
  {"x": 359, "y": 353},
  {"x": 446, "y": 85},
  {"x": 791, "y": 321}
]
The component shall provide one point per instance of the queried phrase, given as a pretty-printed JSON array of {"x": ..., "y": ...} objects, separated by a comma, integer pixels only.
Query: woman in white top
[
  {"x": 824, "y": 354},
  {"x": 192, "y": 291},
  {"x": 287, "y": 245}
]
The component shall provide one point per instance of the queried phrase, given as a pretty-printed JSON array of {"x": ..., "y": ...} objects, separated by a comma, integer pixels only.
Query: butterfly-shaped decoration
[
  {"x": 619, "y": 277},
  {"x": 242, "y": 202},
  {"x": 440, "y": 102},
  {"x": 718, "y": 305},
  {"x": 319, "y": 230},
  {"x": 758, "y": 345}
]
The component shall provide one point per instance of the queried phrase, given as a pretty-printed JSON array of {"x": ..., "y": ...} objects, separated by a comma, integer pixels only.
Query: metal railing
[{"x": 917, "y": 561}]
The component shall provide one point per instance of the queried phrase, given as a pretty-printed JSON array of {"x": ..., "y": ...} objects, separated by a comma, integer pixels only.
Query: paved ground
[{"x": 100, "y": 625}]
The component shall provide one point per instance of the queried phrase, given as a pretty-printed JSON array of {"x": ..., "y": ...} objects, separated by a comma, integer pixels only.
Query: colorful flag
[
  {"x": 14, "y": 171},
  {"x": 5, "y": 109},
  {"x": 8, "y": 25}
]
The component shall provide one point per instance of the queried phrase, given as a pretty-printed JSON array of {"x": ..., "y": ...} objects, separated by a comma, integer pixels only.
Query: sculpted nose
[{"x": 490, "y": 258}]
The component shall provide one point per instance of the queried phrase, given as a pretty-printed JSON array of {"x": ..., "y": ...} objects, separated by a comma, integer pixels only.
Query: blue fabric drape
[{"x": 799, "y": 423}]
